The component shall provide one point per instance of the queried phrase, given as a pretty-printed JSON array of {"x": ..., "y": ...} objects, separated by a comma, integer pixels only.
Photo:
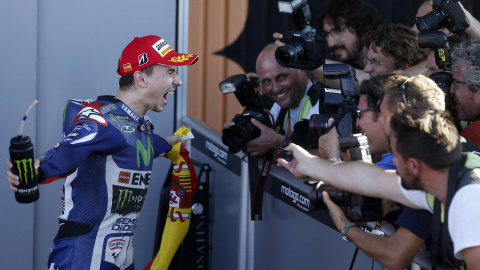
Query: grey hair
[{"x": 468, "y": 51}]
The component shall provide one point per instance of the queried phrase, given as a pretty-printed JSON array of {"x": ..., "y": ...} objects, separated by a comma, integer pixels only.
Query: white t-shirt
[{"x": 463, "y": 215}]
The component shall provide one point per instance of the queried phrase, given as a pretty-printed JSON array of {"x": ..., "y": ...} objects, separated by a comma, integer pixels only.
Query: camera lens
[
  {"x": 338, "y": 196},
  {"x": 236, "y": 136},
  {"x": 432, "y": 21},
  {"x": 318, "y": 125},
  {"x": 288, "y": 54}
]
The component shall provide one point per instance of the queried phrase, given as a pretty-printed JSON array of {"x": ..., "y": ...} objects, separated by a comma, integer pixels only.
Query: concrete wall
[{"x": 56, "y": 50}]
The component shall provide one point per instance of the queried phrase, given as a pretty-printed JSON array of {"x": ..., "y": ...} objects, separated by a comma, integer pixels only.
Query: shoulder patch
[{"x": 92, "y": 113}]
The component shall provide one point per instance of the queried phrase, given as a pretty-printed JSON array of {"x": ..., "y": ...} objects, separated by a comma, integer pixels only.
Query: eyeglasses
[
  {"x": 335, "y": 32},
  {"x": 359, "y": 112},
  {"x": 455, "y": 84},
  {"x": 376, "y": 63},
  {"x": 402, "y": 87}
]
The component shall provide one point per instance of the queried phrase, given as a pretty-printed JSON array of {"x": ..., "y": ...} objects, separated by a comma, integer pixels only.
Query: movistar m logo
[
  {"x": 145, "y": 153},
  {"x": 25, "y": 168},
  {"x": 124, "y": 197}
]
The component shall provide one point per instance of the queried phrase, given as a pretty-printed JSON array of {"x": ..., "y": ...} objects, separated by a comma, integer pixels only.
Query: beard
[
  {"x": 411, "y": 182},
  {"x": 354, "y": 52}
]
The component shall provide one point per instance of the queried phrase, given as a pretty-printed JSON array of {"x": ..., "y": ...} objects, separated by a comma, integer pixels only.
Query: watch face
[{"x": 197, "y": 209}]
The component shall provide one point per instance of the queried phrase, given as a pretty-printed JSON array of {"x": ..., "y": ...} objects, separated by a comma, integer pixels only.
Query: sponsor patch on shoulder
[{"x": 91, "y": 113}]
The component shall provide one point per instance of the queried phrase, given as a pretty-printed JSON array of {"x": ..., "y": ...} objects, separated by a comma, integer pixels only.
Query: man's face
[
  {"x": 343, "y": 42},
  {"x": 162, "y": 81},
  {"x": 285, "y": 86},
  {"x": 467, "y": 103},
  {"x": 371, "y": 127},
  {"x": 384, "y": 116},
  {"x": 431, "y": 64},
  {"x": 377, "y": 63},
  {"x": 409, "y": 180}
]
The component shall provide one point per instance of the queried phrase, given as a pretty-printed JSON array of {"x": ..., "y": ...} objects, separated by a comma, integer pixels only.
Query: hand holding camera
[{"x": 447, "y": 13}]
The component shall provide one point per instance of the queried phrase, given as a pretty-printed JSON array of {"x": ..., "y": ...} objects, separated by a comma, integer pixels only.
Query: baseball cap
[{"x": 150, "y": 50}]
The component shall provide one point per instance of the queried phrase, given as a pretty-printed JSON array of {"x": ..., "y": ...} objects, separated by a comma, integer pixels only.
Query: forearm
[
  {"x": 474, "y": 29},
  {"x": 358, "y": 177},
  {"x": 388, "y": 251}
]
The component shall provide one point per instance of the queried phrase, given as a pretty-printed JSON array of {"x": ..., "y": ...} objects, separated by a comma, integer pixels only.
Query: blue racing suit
[{"x": 106, "y": 160}]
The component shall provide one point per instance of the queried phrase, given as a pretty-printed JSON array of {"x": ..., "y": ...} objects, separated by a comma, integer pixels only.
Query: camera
[
  {"x": 236, "y": 136},
  {"x": 340, "y": 104},
  {"x": 303, "y": 48},
  {"x": 280, "y": 152},
  {"x": 447, "y": 13},
  {"x": 441, "y": 48},
  {"x": 356, "y": 207}
]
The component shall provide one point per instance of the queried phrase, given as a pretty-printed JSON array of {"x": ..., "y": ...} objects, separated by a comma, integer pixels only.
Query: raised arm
[{"x": 356, "y": 176}]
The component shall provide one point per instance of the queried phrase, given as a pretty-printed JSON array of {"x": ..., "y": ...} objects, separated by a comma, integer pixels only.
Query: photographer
[
  {"x": 343, "y": 24},
  {"x": 391, "y": 47},
  {"x": 291, "y": 91},
  {"x": 465, "y": 90},
  {"x": 428, "y": 146},
  {"x": 397, "y": 251}
]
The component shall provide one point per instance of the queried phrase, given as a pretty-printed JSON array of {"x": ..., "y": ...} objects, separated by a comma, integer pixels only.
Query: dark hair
[
  {"x": 431, "y": 137},
  {"x": 398, "y": 41},
  {"x": 356, "y": 14},
  {"x": 374, "y": 90},
  {"x": 127, "y": 81}
]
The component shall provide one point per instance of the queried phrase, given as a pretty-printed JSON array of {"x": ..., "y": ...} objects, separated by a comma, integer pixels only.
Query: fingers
[
  {"x": 277, "y": 35},
  {"x": 330, "y": 121},
  {"x": 258, "y": 124},
  {"x": 326, "y": 198},
  {"x": 228, "y": 124},
  {"x": 12, "y": 179}
]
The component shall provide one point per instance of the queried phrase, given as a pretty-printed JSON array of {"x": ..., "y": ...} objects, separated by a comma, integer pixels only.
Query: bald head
[{"x": 285, "y": 86}]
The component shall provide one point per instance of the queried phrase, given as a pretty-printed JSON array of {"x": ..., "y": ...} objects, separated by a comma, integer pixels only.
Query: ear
[
  {"x": 414, "y": 166},
  {"x": 140, "y": 78},
  {"x": 405, "y": 65}
]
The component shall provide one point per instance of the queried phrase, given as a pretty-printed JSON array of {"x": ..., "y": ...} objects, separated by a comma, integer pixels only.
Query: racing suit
[{"x": 106, "y": 160}]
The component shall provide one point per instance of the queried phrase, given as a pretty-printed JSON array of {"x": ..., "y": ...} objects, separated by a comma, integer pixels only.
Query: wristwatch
[
  {"x": 335, "y": 159},
  {"x": 346, "y": 228}
]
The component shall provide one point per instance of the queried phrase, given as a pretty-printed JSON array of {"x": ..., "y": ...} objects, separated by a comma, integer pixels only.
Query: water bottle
[{"x": 23, "y": 161}]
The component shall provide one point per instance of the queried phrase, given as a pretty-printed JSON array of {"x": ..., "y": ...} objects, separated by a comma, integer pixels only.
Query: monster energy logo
[
  {"x": 124, "y": 197},
  {"x": 145, "y": 153},
  {"x": 127, "y": 200},
  {"x": 24, "y": 166}
]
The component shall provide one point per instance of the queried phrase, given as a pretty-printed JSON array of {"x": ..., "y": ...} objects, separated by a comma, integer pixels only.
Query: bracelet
[
  {"x": 285, "y": 142},
  {"x": 346, "y": 228},
  {"x": 335, "y": 159}
]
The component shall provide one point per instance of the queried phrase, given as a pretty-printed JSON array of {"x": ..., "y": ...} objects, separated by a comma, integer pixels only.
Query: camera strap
[{"x": 257, "y": 183}]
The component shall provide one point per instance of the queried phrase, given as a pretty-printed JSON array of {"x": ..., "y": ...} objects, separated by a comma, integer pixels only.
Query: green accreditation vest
[
  {"x": 464, "y": 171},
  {"x": 310, "y": 99}
]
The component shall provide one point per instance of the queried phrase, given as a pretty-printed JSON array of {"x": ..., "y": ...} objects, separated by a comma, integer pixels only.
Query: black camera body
[
  {"x": 356, "y": 207},
  {"x": 236, "y": 136},
  {"x": 340, "y": 104},
  {"x": 303, "y": 48},
  {"x": 447, "y": 13},
  {"x": 441, "y": 48}
]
